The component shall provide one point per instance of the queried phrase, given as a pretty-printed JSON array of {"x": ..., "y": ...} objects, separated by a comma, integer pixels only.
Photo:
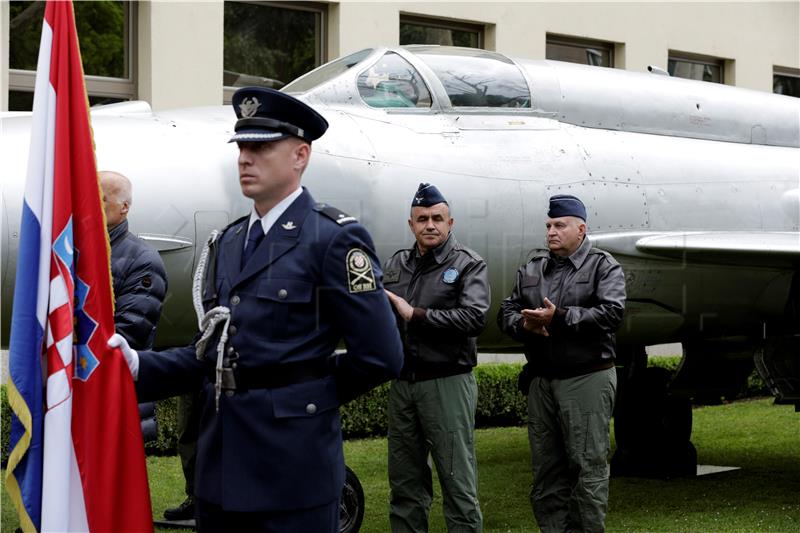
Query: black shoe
[{"x": 185, "y": 511}]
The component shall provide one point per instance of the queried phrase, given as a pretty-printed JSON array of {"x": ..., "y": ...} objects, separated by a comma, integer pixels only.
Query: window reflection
[
  {"x": 582, "y": 51},
  {"x": 420, "y": 30},
  {"x": 101, "y": 26},
  {"x": 268, "y": 45},
  {"x": 696, "y": 69},
  {"x": 393, "y": 82},
  {"x": 105, "y": 42},
  {"x": 786, "y": 83},
  {"x": 477, "y": 78}
]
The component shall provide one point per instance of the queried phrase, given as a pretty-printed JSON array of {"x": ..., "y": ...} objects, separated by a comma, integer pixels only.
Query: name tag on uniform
[{"x": 391, "y": 276}]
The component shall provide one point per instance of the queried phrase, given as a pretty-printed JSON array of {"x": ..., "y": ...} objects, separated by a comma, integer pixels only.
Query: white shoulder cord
[{"x": 208, "y": 322}]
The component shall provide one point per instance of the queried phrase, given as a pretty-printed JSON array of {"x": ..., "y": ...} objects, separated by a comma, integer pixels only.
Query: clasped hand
[{"x": 537, "y": 320}]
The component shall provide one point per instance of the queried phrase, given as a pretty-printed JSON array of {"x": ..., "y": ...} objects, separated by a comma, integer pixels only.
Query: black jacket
[
  {"x": 588, "y": 289},
  {"x": 140, "y": 284},
  {"x": 449, "y": 289}
]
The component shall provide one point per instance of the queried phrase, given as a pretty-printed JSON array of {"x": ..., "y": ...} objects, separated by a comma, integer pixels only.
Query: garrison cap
[
  {"x": 566, "y": 205},
  {"x": 427, "y": 195},
  {"x": 266, "y": 115}
]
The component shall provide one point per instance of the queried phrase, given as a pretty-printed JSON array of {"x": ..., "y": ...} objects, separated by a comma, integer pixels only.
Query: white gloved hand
[{"x": 131, "y": 356}]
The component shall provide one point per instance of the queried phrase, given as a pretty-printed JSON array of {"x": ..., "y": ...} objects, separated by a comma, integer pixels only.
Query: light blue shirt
[{"x": 273, "y": 214}]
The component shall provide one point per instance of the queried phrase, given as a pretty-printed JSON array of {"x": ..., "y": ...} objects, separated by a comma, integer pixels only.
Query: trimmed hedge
[
  {"x": 755, "y": 385},
  {"x": 499, "y": 404}
]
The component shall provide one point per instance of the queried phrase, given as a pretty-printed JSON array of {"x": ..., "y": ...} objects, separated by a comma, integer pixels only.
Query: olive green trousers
[
  {"x": 568, "y": 429},
  {"x": 436, "y": 416}
]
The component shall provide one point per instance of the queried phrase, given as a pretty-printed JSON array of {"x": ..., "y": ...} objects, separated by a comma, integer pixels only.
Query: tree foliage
[
  {"x": 101, "y": 33},
  {"x": 270, "y": 42}
]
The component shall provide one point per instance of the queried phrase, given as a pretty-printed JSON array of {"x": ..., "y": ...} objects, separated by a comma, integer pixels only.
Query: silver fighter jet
[{"x": 694, "y": 187}]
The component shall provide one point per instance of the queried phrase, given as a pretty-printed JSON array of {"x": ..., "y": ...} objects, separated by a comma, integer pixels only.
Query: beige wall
[
  {"x": 755, "y": 36},
  {"x": 180, "y": 44},
  {"x": 180, "y": 53}
]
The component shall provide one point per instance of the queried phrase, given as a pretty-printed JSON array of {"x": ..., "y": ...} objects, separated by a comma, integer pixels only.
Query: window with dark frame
[
  {"x": 105, "y": 27},
  {"x": 424, "y": 30},
  {"x": 578, "y": 50},
  {"x": 269, "y": 44},
  {"x": 786, "y": 81},
  {"x": 695, "y": 67}
]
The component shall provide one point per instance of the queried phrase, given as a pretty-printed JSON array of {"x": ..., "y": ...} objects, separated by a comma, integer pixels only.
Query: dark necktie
[{"x": 254, "y": 238}]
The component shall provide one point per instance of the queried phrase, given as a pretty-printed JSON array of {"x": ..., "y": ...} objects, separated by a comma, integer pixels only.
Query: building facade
[{"x": 180, "y": 54}]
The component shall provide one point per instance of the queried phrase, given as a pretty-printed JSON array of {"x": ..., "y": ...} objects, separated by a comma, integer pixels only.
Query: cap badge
[
  {"x": 418, "y": 199},
  {"x": 288, "y": 226},
  {"x": 249, "y": 107}
]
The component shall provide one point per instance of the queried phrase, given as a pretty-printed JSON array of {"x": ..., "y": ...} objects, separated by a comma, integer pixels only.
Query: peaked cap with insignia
[
  {"x": 266, "y": 115},
  {"x": 566, "y": 205},
  {"x": 427, "y": 195}
]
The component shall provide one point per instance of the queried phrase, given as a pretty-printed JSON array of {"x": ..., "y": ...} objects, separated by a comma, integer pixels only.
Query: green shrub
[
  {"x": 366, "y": 416},
  {"x": 671, "y": 362},
  {"x": 166, "y": 442},
  {"x": 499, "y": 401},
  {"x": 499, "y": 404},
  {"x": 755, "y": 386}
]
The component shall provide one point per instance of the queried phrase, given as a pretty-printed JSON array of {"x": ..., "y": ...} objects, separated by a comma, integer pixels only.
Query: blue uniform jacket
[{"x": 307, "y": 286}]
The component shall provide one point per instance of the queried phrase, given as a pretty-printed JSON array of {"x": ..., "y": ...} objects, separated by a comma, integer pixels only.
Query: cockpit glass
[
  {"x": 326, "y": 72},
  {"x": 393, "y": 82},
  {"x": 476, "y": 78}
]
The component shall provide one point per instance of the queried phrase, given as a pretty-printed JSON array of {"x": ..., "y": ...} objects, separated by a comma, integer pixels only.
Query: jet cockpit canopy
[{"x": 418, "y": 76}]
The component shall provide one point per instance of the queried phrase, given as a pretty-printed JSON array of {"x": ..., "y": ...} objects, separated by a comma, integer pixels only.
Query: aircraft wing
[{"x": 752, "y": 248}]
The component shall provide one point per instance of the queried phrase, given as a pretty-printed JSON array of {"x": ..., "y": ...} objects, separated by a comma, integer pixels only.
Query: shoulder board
[
  {"x": 537, "y": 254},
  {"x": 600, "y": 251},
  {"x": 235, "y": 222},
  {"x": 340, "y": 217},
  {"x": 470, "y": 252},
  {"x": 401, "y": 250},
  {"x": 213, "y": 238}
]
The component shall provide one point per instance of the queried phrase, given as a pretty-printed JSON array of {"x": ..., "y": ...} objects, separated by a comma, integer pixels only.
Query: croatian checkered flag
[{"x": 76, "y": 458}]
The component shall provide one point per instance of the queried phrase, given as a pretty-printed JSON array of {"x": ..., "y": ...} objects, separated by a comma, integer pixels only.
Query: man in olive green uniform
[
  {"x": 440, "y": 292},
  {"x": 565, "y": 307}
]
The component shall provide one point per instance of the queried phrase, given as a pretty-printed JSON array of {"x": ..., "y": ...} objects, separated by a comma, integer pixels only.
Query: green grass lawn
[{"x": 763, "y": 496}]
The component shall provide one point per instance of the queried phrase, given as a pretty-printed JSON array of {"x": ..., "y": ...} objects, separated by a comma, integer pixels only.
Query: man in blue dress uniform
[{"x": 282, "y": 286}]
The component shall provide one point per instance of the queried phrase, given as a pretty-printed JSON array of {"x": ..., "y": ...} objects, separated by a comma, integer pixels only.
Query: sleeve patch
[{"x": 360, "y": 277}]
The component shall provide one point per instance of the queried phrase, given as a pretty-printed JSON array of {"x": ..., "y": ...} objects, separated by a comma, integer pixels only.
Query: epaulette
[
  {"x": 217, "y": 235},
  {"x": 237, "y": 221},
  {"x": 340, "y": 217},
  {"x": 599, "y": 251},
  {"x": 537, "y": 253},
  {"x": 470, "y": 252}
]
